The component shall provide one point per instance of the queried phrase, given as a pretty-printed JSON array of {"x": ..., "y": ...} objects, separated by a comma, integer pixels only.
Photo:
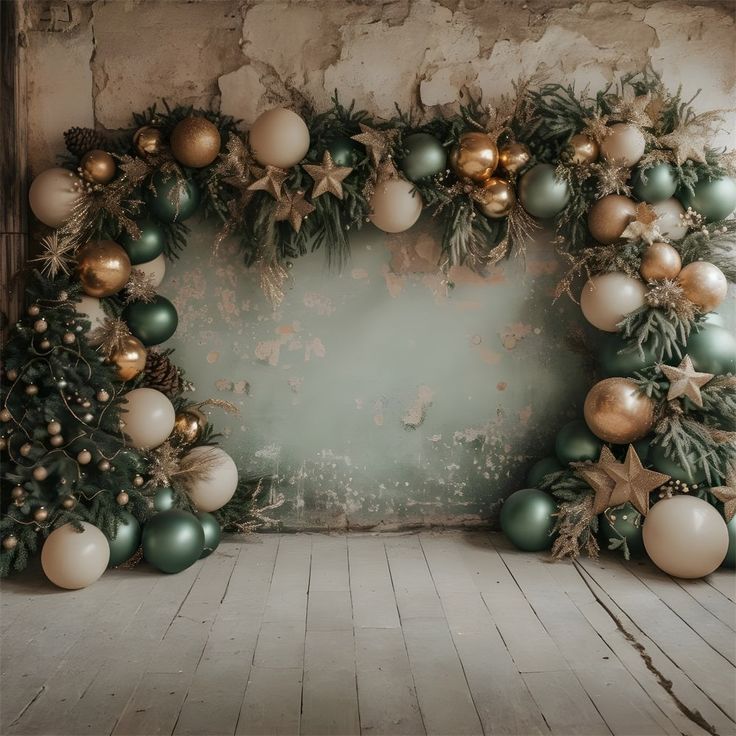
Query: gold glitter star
[
  {"x": 632, "y": 108},
  {"x": 644, "y": 225},
  {"x": 270, "y": 180},
  {"x": 685, "y": 381},
  {"x": 687, "y": 142},
  {"x": 633, "y": 481},
  {"x": 294, "y": 208},
  {"x": 595, "y": 475},
  {"x": 328, "y": 177},
  {"x": 57, "y": 256},
  {"x": 727, "y": 493},
  {"x": 378, "y": 142}
]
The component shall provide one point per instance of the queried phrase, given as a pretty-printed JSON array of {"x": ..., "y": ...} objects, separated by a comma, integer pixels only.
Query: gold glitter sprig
[
  {"x": 57, "y": 256},
  {"x": 140, "y": 287}
]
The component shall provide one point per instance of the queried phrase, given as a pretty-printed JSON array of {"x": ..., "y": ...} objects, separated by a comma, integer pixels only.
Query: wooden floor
[{"x": 437, "y": 633}]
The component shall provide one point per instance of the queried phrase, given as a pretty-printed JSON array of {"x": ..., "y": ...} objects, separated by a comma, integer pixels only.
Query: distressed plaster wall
[{"x": 376, "y": 396}]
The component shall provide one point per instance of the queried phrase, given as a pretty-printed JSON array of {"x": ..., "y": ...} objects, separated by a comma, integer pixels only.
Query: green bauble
[
  {"x": 164, "y": 499},
  {"x": 211, "y": 529},
  {"x": 660, "y": 184},
  {"x": 173, "y": 540},
  {"x": 148, "y": 246},
  {"x": 540, "y": 469},
  {"x": 713, "y": 318},
  {"x": 642, "y": 447},
  {"x": 172, "y": 199},
  {"x": 151, "y": 322},
  {"x": 730, "y": 560},
  {"x": 526, "y": 519},
  {"x": 344, "y": 152},
  {"x": 541, "y": 193},
  {"x": 575, "y": 443},
  {"x": 615, "y": 363},
  {"x": 712, "y": 349},
  {"x": 126, "y": 541},
  {"x": 424, "y": 157},
  {"x": 714, "y": 199},
  {"x": 672, "y": 467},
  {"x": 623, "y": 521}
]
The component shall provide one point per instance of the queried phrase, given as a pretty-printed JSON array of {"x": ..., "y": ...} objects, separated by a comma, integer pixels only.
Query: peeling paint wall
[{"x": 376, "y": 396}]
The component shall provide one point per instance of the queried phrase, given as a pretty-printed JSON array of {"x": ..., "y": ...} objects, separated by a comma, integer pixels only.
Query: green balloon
[
  {"x": 671, "y": 466},
  {"x": 713, "y": 318},
  {"x": 541, "y": 193},
  {"x": 211, "y": 528},
  {"x": 126, "y": 540},
  {"x": 576, "y": 443},
  {"x": 173, "y": 540},
  {"x": 712, "y": 349},
  {"x": 616, "y": 359},
  {"x": 642, "y": 447},
  {"x": 526, "y": 519},
  {"x": 621, "y": 522},
  {"x": 344, "y": 152},
  {"x": 164, "y": 499},
  {"x": 714, "y": 199},
  {"x": 424, "y": 157},
  {"x": 730, "y": 560},
  {"x": 172, "y": 199},
  {"x": 655, "y": 184},
  {"x": 145, "y": 248},
  {"x": 151, "y": 322},
  {"x": 540, "y": 469}
]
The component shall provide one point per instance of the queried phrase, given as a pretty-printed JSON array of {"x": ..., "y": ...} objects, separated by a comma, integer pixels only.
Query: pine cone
[
  {"x": 161, "y": 373},
  {"x": 80, "y": 140}
]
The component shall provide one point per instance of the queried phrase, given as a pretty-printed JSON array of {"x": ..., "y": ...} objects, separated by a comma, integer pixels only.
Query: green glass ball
[
  {"x": 211, "y": 529},
  {"x": 613, "y": 362},
  {"x": 712, "y": 349},
  {"x": 423, "y": 157},
  {"x": 642, "y": 447},
  {"x": 672, "y": 467},
  {"x": 540, "y": 469},
  {"x": 167, "y": 188},
  {"x": 730, "y": 560},
  {"x": 344, "y": 152},
  {"x": 541, "y": 193},
  {"x": 126, "y": 541},
  {"x": 164, "y": 499},
  {"x": 714, "y": 199},
  {"x": 576, "y": 443},
  {"x": 151, "y": 322},
  {"x": 526, "y": 519},
  {"x": 622, "y": 521},
  {"x": 173, "y": 540},
  {"x": 145, "y": 248},
  {"x": 713, "y": 318},
  {"x": 660, "y": 183}
]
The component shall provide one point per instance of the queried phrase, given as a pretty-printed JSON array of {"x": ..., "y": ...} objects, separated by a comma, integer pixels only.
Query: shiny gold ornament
[
  {"x": 122, "y": 498},
  {"x": 53, "y": 427},
  {"x": 129, "y": 357},
  {"x": 40, "y": 326},
  {"x": 12, "y": 374},
  {"x": 327, "y": 177},
  {"x": 3, "y": 443},
  {"x": 34, "y": 310},
  {"x": 195, "y": 142},
  {"x": 103, "y": 395},
  {"x": 103, "y": 268},
  {"x": 617, "y": 411},
  {"x": 514, "y": 156},
  {"x": 68, "y": 502},
  {"x": 685, "y": 381},
  {"x": 68, "y": 338},
  {"x": 148, "y": 141},
  {"x": 10, "y": 542},
  {"x": 56, "y": 441},
  {"x": 5, "y": 415},
  {"x": 475, "y": 157},
  {"x": 41, "y": 514},
  {"x": 84, "y": 457},
  {"x": 97, "y": 167},
  {"x": 44, "y": 345},
  {"x": 25, "y": 449},
  {"x": 40, "y": 473},
  {"x": 582, "y": 149},
  {"x": 18, "y": 492},
  {"x": 104, "y": 465},
  {"x": 609, "y": 217},
  {"x": 660, "y": 261},
  {"x": 703, "y": 284},
  {"x": 137, "y": 481},
  {"x": 31, "y": 389},
  {"x": 189, "y": 425},
  {"x": 496, "y": 198}
]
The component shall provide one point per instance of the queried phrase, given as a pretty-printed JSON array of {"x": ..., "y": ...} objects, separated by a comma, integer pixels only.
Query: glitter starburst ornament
[
  {"x": 685, "y": 381},
  {"x": 57, "y": 256},
  {"x": 632, "y": 108},
  {"x": 139, "y": 287},
  {"x": 328, "y": 177},
  {"x": 596, "y": 127},
  {"x": 644, "y": 225}
]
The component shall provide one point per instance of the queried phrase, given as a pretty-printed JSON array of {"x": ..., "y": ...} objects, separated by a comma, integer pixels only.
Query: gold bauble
[
  {"x": 122, "y": 498},
  {"x": 704, "y": 284},
  {"x": 68, "y": 338},
  {"x": 475, "y": 157},
  {"x": 513, "y": 157},
  {"x": 5, "y": 415},
  {"x": 103, "y": 268},
  {"x": 40, "y": 473},
  {"x": 137, "y": 481},
  {"x": 84, "y": 457},
  {"x": 130, "y": 358},
  {"x": 53, "y": 427},
  {"x": 148, "y": 140},
  {"x": 617, "y": 411},
  {"x": 97, "y": 166},
  {"x": 31, "y": 389},
  {"x": 189, "y": 425},
  {"x": 56, "y": 441},
  {"x": 103, "y": 465},
  {"x": 10, "y": 542},
  {"x": 18, "y": 492},
  {"x": 496, "y": 198},
  {"x": 660, "y": 261},
  {"x": 609, "y": 216},
  {"x": 103, "y": 395},
  {"x": 25, "y": 449},
  {"x": 68, "y": 502},
  {"x": 582, "y": 150},
  {"x": 34, "y": 310},
  {"x": 195, "y": 142},
  {"x": 41, "y": 514},
  {"x": 40, "y": 326}
]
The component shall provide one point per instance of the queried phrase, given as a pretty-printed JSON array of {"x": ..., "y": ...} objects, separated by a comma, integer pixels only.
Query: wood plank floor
[{"x": 429, "y": 633}]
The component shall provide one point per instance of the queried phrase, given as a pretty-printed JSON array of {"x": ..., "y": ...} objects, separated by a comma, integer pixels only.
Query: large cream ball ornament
[
  {"x": 607, "y": 298},
  {"x": 685, "y": 536},
  {"x": 72, "y": 559},
  {"x": 218, "y": 480},
  {"x": 148, "y": 416},
  {"x": 395, "y": 206},
  {"x": 154, "y": 270},
  {"x": 279, "y": 137},
  {"x": 53, "y": 194},
  {"x": 91, "y": 308},
  {"x": 669, "y": 219},
  {"x": 624, "y": 144}
]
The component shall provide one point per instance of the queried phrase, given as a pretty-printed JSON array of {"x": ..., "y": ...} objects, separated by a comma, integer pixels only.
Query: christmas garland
[{"x": 639, "y": 202}]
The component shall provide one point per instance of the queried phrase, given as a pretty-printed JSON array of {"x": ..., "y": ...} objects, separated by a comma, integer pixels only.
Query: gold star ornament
[
  {"x": 292, "y": 207},
  {"x": 271, "y": 180},
  {"x": 686, "y": 142},
  {"x": 378, "y": 142},
  {"x": 327, "y": 177},
  {"x": 595, "y": 475},
  {"x": 644, "y": 225},
  {"x": 632, "y": 108},
  {"x": 633, "y": 482},
  {"x": 685, "y": 381},
  {"x": 727, "y": 494}
]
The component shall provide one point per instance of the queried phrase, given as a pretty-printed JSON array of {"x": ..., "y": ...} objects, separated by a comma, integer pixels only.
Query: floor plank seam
[{"x": 27, "y": 706}]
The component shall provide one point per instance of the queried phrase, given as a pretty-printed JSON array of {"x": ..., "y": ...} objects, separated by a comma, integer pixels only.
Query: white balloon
[
  {"x": 279, "y": 137},
  {"x": 395, "y": 206},
  {"x": 53, "y": 194},
  {"x": 149, "y": 417},
  {"x": 73, "y": 559},
  {"x": 669, "y": 222},
  {"x": 218, "y": 485},
  {"x": 155, "y": 269},
  {"x": 91, "y": 308},
  {"x": 607, "y": 298}
]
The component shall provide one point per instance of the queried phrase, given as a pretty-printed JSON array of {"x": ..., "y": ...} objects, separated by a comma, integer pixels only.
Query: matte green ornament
[
  {"x": 714, "y": 199},
  {"x": 164, "y": 499},
  {"x": 172, "y": 199},
  {"x": 344, "y": 152},
  {"x": 642, "y": 447},
  {"x": 576, "y": 443},
  {"x": 615, "y": 358},
  {"x": 424, "y": 157},
  {"x": 619, "y": 524},
  {"x": 526, "y": 519},
  {"x": 692, "y": 475},
  {"x": 712, "y": 349},
  {"x": 173, "y": 540},
  {"x": 730, "y": 560},
  {"x": 541, "y": 193},
  {"x": 145, "y": 248},
  {"x": 151, "y": 322},
  {"x": 660, "y": 183},
  {"x": 540, "y": 469},
  {"x": 211, "y": 529},
  {"x": 126, "y": 541},
  {"x": 713, "y": 318}
]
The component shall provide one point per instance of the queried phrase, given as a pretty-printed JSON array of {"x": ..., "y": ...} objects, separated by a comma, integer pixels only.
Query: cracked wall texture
[{"x": 375, "y": 397}]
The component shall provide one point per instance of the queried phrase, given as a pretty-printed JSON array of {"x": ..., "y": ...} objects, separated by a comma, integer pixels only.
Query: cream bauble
[
  {"x": 624, "y": 145},
  {"x": 73, "y": 559},
  {"x": 395, "y": 206},
  {"x": 607, "y": 298},
  {"x": 91, "y": 308},
  {"x": 219, "y": 481},
  {"x": 685, "y": 536},
  {"x": 149, "y": 417},
  {"x": 155, "y": 270},
  {"x": 53, "y": 194},
  {"x": 669, "y": 222},
  {"x": 279, "y": 137}
]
